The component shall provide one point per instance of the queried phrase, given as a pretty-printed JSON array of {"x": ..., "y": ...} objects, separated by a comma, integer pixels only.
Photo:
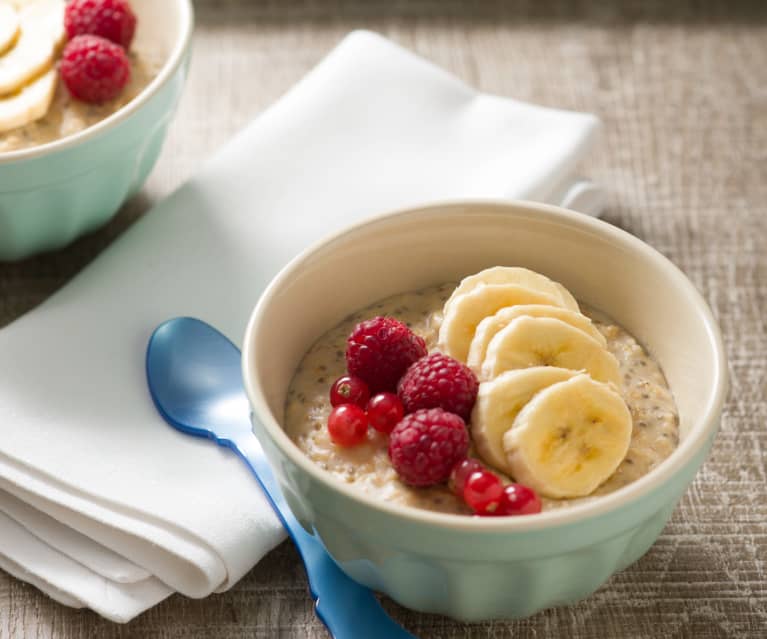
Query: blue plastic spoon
[{"x": 195, "y": 381}]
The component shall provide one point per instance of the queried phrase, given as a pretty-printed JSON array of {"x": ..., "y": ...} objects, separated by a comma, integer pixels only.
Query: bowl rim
[
  {"x": 687, "y": 449},
  {"x": 168, "y": 69}
]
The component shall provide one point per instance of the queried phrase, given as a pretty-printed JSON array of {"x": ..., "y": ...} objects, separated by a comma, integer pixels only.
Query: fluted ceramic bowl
[
  {"x": 52, "y": 193},
  {"x": 483, "y": 568}
]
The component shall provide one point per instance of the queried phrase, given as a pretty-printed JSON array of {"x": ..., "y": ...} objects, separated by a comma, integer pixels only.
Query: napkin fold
[{"x": 101, "y": 503}]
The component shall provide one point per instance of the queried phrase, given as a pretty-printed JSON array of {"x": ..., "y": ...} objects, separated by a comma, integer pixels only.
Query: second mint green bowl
[
  {"x": 485, "y": 568},
  {"x": 53, "y": 193}
]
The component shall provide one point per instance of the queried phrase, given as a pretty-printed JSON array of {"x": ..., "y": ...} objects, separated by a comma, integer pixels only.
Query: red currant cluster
[
  {"x": 425, "y": 418},
  {"x": 486, "y": 495},
  {"x": 354, "y": 409}
]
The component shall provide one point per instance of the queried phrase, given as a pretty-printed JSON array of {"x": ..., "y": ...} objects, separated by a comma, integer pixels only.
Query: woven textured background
[{"x": 682, "y": 89}]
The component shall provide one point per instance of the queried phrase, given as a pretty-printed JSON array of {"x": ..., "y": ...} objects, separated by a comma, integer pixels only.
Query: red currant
[
  {"x": 385, "y": 411},
  {"x": 461, "y": 472},
  {"x": 482, "y": 492},
  {"x": 348, "y": 425},
  {"x": 349, "y": 390},
  {"x": 518, "y": 499}
]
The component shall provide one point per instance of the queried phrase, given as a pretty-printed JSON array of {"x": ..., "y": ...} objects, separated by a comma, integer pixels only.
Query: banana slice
[
  {"x": 520, "y": 277},
  {"x": 42, "y": 31},
  {"x": 545, "y": 341},
  {"x": 569, "y": 438},
  {"x": 498, "y": 403},
  {"x": 9, "y": 26},
  {"x": 466, "y": 311},
  {"x": 489, "y": 326},
  {"x": 30, "y": 104}
]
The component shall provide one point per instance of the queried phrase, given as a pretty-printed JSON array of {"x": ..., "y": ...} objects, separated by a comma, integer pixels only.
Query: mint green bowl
[
  {"x": 53, "y": 193},
  {"x": 471, "y": 568}
]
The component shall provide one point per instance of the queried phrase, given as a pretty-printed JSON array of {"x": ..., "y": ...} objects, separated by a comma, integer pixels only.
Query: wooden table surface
[{"x": 682, "y": 90}]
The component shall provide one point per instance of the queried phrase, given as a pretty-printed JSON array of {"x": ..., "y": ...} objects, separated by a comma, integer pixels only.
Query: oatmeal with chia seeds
[
  {"x": 67, "y": 116},
  {"x": 653, "y": 415}
]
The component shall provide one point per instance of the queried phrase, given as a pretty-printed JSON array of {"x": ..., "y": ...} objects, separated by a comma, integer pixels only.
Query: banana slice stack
[
  {"x": 31, "y": 32},
  {"x": 549, "y": 410}
]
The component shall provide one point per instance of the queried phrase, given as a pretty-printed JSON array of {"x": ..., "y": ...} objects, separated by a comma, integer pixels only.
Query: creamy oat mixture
[
  {"x": 67, "y": 116},
  {"x": 655, "y": 423}
]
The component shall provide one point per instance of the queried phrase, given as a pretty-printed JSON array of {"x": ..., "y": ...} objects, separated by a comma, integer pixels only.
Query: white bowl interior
[
  {"x": 158, "y": 27},
  {"x": 602, "y": 266}
]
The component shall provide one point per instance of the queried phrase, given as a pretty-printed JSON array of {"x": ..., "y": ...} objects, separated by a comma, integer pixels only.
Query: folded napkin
[{"x": 101, "y": 503}]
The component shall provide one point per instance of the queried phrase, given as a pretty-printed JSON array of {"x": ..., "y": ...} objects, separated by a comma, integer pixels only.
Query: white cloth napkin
[{"x": 101, "y": 503}]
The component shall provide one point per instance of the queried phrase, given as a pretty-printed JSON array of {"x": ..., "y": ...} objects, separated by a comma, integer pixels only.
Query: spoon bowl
[{"x": 195, "y": 371}]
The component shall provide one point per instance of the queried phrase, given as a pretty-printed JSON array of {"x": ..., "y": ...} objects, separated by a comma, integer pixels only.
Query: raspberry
[
  {"x": 439, "y": 381},
  {"x": 94, "y": 69},
  {"x": 425, "y": 445},
  {"x": 518, "y": 499},
  {"x": 380, "y": 350},
  {"x": 110, "y": 19}
]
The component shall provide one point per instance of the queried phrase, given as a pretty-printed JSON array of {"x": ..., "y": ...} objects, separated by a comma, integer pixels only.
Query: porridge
[
  {"x": 68, "y": 116},
  {"x": 650, "y": 413},
  {"x": 62, "y": 93}
]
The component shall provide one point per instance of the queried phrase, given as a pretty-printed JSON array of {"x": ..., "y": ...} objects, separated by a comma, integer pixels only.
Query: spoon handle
[{"x": 348, "y": 609}]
